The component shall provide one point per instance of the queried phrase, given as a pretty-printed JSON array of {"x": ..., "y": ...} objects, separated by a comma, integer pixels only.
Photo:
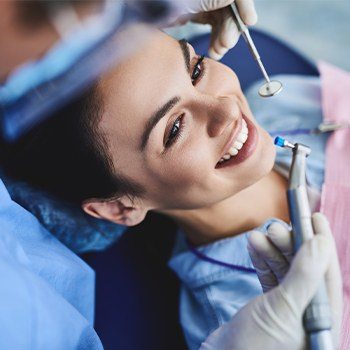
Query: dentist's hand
[
  {"x": 225, "y": 33},
  {"x": 274, "y": 319}
]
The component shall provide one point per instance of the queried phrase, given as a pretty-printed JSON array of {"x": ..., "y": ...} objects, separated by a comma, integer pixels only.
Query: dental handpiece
[
  {"x": 271, "y": 87},
  {"x": 317, "y": 317}
]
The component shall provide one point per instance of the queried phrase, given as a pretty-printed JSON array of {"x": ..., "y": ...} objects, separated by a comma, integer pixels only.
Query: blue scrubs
[{"x": 46, "y": 291}]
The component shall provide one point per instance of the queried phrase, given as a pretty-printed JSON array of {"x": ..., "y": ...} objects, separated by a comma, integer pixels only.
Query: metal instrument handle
[
  {"x": 317, "y": 317},
  {"x": 237, "y": 18},
  {"x": 244, "y": 31}
]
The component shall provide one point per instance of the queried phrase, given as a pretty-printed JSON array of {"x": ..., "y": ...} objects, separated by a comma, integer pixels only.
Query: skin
[{"x": 182, "y": 180}]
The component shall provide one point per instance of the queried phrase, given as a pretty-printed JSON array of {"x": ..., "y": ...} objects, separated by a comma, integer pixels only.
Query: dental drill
[
  {"x": 317, "y": 317},
  {"x": 271, "y": 87}
]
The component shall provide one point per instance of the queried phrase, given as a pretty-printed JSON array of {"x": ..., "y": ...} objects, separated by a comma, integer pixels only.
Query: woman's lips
[{"x": 248, "y": 147}]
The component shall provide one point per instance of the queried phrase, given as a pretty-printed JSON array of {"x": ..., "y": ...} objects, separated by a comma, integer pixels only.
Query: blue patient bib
[{"x": 46, "y": 291}]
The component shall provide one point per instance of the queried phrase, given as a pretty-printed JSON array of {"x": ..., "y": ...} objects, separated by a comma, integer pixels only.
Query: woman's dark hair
[{"x": 68, "y": 156}]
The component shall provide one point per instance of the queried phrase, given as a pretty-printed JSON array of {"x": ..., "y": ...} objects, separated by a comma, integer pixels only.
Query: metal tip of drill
[{"x": 281, "y": 142}]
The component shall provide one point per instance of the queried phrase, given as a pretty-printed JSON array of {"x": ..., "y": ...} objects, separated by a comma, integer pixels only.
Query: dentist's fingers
[
  {"x": 246, "y": 8},
  {"x": 195, "y": 6},
  {"x": 282, "y": 238},
  {"x": 224, "y": 36},
  {"x": 269, "y": 253},
  {"x": 247, "y": 11},
  {"x": 307, "y": 270},
  {"x": 267, "y": 278},
  {"x": 217, "y": 13}
]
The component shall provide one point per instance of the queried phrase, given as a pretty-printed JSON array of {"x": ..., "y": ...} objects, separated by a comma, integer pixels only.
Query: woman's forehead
[
  {"x": 145, "y": 65},
  {"x": 145, "y": 79}
]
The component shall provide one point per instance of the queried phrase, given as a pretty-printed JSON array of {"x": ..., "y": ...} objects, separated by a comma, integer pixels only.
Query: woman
[{"x": 168, "y": 131}]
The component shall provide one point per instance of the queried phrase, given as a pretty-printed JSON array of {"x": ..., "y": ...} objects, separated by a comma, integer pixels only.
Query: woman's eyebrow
[
  {"x": 186, "y": 53},
  {"x": 162, "y": 111},
  {"x": 156, "y": 117}
]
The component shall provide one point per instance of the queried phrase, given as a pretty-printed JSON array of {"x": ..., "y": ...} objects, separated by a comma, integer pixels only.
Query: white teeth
[
  {"x": 233, "y": 151},
  {"x": 238, "y": 144},
  {"x": 242, "y": 137}
]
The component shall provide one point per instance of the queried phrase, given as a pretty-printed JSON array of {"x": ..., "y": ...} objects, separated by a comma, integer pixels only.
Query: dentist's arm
[{"x": 274, "y": 319}]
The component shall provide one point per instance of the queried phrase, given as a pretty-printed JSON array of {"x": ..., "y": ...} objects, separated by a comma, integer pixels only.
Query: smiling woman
[
  {"x": 167, "y": 130},
  {"x": 171, "y": 143}
]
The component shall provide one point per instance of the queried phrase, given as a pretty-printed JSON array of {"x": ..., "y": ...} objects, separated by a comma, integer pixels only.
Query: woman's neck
[{"x": 244, "y": 211}]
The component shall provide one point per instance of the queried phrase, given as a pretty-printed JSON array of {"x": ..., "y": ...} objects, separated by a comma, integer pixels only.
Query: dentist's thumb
[
  {"x": 306, "y": 272},
  {"x": 316, "y": 260}
]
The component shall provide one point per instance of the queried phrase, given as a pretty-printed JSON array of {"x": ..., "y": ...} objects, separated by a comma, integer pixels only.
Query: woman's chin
[{"x": 268, "y": 151}]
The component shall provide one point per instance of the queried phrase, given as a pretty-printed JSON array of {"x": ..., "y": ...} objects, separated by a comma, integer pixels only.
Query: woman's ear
[{"x": 121, "y": 211}]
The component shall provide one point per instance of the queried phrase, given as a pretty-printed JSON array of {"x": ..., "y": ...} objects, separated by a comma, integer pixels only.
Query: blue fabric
[
  {"x": 211, "y": 294},
  {"x": 46, "y": 291},
  {"x": 67, "y": 222}
]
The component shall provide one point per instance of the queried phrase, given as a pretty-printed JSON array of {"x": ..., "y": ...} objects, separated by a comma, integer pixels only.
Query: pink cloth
[{"x": 335, "y": 200}]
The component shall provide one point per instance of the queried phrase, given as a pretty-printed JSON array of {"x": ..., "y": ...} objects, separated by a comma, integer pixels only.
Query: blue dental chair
[{"x": 136, "y": 294}]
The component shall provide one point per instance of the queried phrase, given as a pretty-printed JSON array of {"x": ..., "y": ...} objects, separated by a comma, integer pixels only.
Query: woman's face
[{"x": 170, "y": 119}]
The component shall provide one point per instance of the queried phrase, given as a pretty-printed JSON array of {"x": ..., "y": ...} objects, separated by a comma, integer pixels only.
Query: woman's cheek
[
  {"x": 224, "y": 78},
  {"x": 219, "y": 79},
  {"x": 191, "y": 167}
]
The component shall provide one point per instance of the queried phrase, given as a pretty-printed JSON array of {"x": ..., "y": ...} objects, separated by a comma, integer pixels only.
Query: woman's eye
[
  {"x": 175, "y": 129},
  {"x": 197, "y": 70},
  {"x": 196, "y": 73},
  {"x": 174, "y": 132}
]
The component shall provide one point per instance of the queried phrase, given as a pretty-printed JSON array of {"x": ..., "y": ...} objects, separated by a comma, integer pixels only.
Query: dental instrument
[
  {"x": 317, "y": 317},
  {"x": 322, "y": 128},
  {"x": 330, "y": 127},
  {"x": 271, "y": 87}
]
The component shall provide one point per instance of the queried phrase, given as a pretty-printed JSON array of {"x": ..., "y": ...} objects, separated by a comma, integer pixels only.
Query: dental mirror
[{"x": 270, "y": 88}]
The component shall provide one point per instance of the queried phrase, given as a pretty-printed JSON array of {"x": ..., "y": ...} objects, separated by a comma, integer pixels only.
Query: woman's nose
[{"x": 222, "y": 112}]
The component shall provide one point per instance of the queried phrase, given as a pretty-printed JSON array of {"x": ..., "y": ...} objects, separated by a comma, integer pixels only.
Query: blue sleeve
[
  {"x": 46, "y": 291},
  {"x": 33, "y": 316}
]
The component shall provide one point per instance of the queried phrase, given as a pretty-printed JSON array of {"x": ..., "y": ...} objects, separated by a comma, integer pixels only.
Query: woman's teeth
[{"x": 238, "y": 144}]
